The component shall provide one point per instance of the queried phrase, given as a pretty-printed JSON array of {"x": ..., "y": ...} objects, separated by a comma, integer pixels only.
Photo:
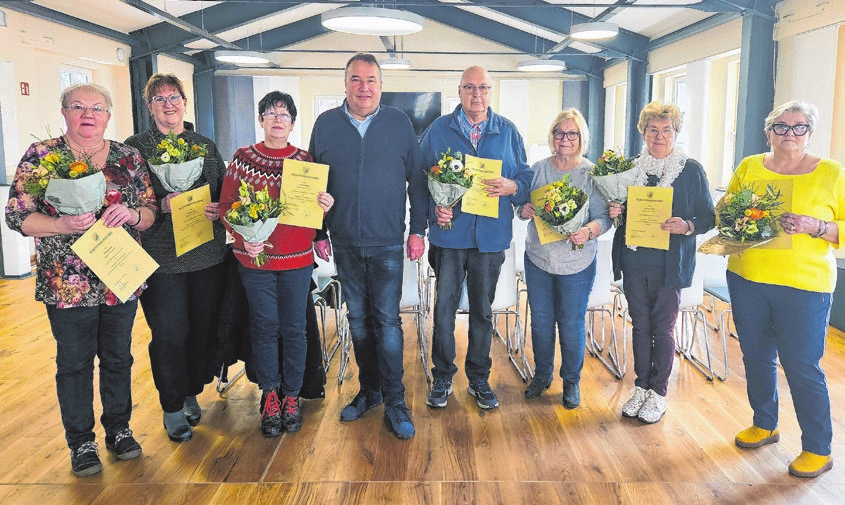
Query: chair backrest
[
  {"x": 694, "y": 295},
  {"x": 324, "y": 269},
  {"x": 506, "y": 293},
  {"x": 410, "y": 284},
  {"x": 714, "y": 269},
  {"x": 601, "y": 293},
  {"x": 520, "y": 233}
]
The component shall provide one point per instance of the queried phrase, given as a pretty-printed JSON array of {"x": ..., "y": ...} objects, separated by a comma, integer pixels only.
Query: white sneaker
[
  {"x": 653, "y": 408},
  {"x": 632, "y": 407}
]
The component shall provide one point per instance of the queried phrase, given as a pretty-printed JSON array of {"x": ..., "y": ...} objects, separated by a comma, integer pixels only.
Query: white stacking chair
[
  {"x": 505, "y": 303},
  {"x": 413, "y": 302},
  {"x": 714, "y": 269},
  {"x": 687, "y": 326},
  {"x": 329, "y": 294},
  {"x": 601, "y": 306}
]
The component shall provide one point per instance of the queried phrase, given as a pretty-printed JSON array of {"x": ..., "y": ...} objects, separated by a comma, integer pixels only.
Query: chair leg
[{"x": 223, "y": 381}]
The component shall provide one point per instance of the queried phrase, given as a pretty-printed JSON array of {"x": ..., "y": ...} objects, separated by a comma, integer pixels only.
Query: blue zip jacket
[
  {"x": 368, "y": 177},
  {"x": 500, "y": 141}
]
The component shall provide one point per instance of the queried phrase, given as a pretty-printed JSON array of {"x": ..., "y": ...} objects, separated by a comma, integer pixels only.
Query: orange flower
[
  {"x": 78, "y": 167},
  {"x": 754, "y": 214},
  {"x": 236, "y": 204},
  {"x": 435, "y": 169}
]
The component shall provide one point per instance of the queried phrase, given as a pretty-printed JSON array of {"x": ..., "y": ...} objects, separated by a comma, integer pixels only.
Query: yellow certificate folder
[
  {"x": 302, "y": 181},
  {"x": 116, "y": 258},
  {"x": 475, "y": 200},
  {"x": 191, "y": 228},
  {"x": 545, "y": 233},
  {"x": 648, "y": 208}
]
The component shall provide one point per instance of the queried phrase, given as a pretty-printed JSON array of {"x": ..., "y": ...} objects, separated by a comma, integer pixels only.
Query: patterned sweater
[{"x": 289, "y": 247}]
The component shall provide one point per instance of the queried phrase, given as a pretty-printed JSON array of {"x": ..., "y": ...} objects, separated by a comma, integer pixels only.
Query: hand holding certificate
[
  {"x": 476, "y": 200},
  {"x": 648, "y": 208},
  {"x": 116, "y": 258},
  {"x": 190, "y": 226},
  {"x": 302, "y": 182}
]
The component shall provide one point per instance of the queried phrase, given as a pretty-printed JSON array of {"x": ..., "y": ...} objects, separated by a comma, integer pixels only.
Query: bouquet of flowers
[
  {"x": 612, "y": 175},
  {"x": 71, "y": 186},
  {"x": 745, "y": 219},
  {"x": 564, "y": 207},
  {"x": 176, "y": 163},
  {"x": 448, "y": 181},
  {"x": 254, "y": 216}
]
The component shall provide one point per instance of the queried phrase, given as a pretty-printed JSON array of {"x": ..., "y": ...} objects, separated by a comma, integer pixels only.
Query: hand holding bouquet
[
  {"x": 71, "y": 186},
  {"x": 612, "y": 175},
  {"x": 448, "y": 181},
  {"x": 176, "y": 163},
  {"x": 254, "y": 216},
  {"x": 745, "y": 219},
  {"x": 564, "y": 207}
]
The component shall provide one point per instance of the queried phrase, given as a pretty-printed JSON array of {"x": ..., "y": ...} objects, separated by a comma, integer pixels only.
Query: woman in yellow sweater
[{"x": 782, "y": 297}]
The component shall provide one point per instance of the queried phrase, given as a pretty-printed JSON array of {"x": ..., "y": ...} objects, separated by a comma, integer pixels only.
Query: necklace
[{"x": 81, "y": 149}]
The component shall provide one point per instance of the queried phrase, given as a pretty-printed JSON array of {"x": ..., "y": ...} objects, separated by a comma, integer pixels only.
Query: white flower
[
  {"x": 456, "y": 165},
  {"x": 165, "y": 157}
]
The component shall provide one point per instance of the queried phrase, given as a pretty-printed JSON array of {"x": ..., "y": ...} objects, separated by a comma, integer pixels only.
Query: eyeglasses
[
  {"x": 273, "y": 116},
  {"x": 653, "y": 132},
  {"x": 470, "y": 88},
  {"x": 782, "y": 129},
  {"x": 160, "y": 101},
  {"x": 570, "y": 135},
  {"x": 78, "y": 108}
]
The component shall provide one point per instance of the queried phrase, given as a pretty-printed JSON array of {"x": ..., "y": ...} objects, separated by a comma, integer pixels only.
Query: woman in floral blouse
[{"x": 86, "y": 317}]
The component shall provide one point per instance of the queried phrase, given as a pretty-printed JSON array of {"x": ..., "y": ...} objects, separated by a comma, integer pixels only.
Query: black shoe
[
  {"x": 177, "y": 426},
  {"x": 291, "y": 414},
  {"x": 193, "y": 411},
  {"x": 123, "y": 444},
  {"x": 439, "y": 394},
  {"x": 571, "y": 395},
  {"x": 484, "y": 396},
  {"x": 271, "y": 415},
  {"x": 363, "y": 401},
  {"x": 537, "y": 386},
  {"x": 85, "y": 460},
  {"x": 397, "y": 418}
]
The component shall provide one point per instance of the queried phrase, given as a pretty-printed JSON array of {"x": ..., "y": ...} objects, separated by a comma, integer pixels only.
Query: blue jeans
[
  {"x": 481, "y": 271},
  {"x": 371, "y": 277},
  {"x": 277, "y": 300},
  {"x": 81, "y": 333},
  {"x": 791, "y": 323},
  {"x": 182, "y": 312},
  {"x": 560, "y": 299}
]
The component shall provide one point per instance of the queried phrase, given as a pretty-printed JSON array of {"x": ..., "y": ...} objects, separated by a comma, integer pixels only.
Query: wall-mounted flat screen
[{"x": 421, "y": 107}]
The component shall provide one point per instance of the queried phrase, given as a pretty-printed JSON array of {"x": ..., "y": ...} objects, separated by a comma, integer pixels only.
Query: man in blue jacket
[
  {"x": 372, "y": 153},
  {"x": 474, "y": 249}
]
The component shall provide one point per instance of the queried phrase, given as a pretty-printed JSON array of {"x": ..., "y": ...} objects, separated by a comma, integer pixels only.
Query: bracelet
[
  {"x": 822, "y": 234},
  {"x": 139, "y": 218},
  {"x": 591, "y": 233}
]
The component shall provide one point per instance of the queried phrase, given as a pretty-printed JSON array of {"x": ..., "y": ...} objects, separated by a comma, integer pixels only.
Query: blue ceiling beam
[
  {"x": 626, "y": 44},
  {"x": 283, "y": 36},
  {"x": 693, "y": 29},
  {"x": 497, "y": 33}
]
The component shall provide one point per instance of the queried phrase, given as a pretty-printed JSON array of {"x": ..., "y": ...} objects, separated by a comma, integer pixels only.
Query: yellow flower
[
  {"x": 253, "y": 211},
  {"x": 181, "y": 142},
  {"x": 52, "y": 158}
]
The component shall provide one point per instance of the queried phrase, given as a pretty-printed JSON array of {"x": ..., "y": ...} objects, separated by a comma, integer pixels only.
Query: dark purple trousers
[{"x": 653, "y": 308}]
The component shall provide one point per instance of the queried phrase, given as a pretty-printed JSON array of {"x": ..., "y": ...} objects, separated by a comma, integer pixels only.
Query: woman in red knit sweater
[{"x": 277, "y": 291}]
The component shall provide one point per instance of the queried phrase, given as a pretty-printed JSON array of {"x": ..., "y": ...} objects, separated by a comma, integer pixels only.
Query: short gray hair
[
  {"x": 809, "y": 110},
  {"x": 89, "y": 86}
]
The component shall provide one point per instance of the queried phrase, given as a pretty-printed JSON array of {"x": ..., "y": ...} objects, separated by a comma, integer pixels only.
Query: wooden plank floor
[{"x": 523, "y": 452}]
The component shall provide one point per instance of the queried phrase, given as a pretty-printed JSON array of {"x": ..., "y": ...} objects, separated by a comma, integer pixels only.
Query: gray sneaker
[
  {"x": 439, "y": 394},
  {"x": 484, "y": 396},
  {"x": 653, "y": 408},
  {"x": 632, "y": 406}
]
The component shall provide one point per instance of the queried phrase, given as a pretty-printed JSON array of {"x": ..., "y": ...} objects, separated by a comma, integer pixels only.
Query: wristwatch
[{"x": 689, "y": 228}]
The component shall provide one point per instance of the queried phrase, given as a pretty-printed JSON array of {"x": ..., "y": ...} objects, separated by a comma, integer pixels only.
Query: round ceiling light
[{"x": 372, "y": 21}]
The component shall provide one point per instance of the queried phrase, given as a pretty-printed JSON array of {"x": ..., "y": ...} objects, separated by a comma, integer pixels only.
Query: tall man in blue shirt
[
  {"x": 474, "y": 249},
  {"x": 372, "y": 152}
]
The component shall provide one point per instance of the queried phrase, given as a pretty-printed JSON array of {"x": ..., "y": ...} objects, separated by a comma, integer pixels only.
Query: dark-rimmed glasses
[
  {"x": 799, "y": 130},
  {"x": 159, "y": 101},
  {"x": 570, "y": 135}
]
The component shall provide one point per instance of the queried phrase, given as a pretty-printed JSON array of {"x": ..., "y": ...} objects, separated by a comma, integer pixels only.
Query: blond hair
[
  {"x": 575, "y": 115},
  {"x": 658, "y": 110}
]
